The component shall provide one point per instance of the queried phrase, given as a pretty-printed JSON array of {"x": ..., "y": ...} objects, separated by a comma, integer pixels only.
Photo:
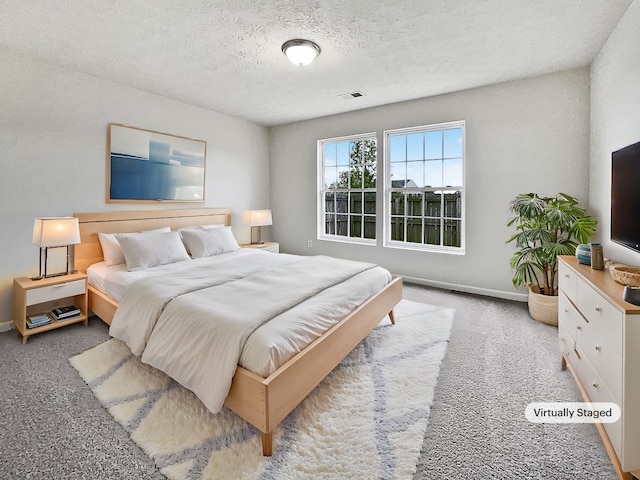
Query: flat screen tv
[{"x": 625, "y": 196}]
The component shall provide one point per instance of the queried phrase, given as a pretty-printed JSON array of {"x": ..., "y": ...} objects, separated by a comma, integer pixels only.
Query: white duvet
[{"x": 196, "y": 321}]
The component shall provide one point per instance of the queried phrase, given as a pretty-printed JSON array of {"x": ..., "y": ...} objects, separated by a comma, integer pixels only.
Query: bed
[{"x": 263, "y": 401}]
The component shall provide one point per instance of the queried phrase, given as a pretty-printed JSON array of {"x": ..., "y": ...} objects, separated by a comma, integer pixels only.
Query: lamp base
[
  {"x": 53, "y": 259},
  {"x": 260, "y": 241}
]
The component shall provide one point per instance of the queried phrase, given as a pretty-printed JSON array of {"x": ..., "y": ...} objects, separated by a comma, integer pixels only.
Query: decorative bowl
[{"x": 625, "y": 274}]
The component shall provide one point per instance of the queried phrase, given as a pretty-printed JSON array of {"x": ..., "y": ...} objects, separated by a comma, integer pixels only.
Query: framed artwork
[{"x": 148, "y": 166}]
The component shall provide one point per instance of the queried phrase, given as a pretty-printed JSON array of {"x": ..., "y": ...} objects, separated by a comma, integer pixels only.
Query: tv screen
[{"x": 625, "y": 196}]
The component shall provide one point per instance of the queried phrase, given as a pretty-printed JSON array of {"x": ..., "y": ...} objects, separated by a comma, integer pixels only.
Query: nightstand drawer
[
  {"x": 53, "y": 292},
  {"x": 273, "y": 247}
]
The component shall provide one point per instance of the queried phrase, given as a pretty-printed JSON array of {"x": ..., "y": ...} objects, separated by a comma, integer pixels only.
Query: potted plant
[{"x": 546, "y": 227}]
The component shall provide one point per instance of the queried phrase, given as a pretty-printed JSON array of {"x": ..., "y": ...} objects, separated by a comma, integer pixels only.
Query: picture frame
[{"x": 145, "y": 166}]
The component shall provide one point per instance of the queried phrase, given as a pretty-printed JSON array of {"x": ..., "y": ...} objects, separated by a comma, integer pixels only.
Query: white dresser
[{"x": 599, "y": 336}]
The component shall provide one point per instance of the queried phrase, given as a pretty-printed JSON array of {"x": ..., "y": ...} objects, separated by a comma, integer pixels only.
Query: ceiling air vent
[{"x": 349, "y": 96}]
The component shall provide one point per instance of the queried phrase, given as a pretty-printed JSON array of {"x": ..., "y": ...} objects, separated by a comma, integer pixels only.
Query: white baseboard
[
  {"x": 5, "y": 326},
  {"x": 519, "y": 297}
]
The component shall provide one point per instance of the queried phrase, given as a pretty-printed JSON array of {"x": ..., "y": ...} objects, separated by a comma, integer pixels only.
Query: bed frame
[{"x": 263, "y": 402}]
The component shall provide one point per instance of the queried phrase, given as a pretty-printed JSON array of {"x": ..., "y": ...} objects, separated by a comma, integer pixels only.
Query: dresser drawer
[
  {"x": 603, "y": 316},
  {"x": 567, "y": 346},
  {"x": 567, "y": 280},
  {"x": 53, "y": 292},
  {"x": 568, "y": 316},
  {"x": 603, "y": 358},
  {"x": 598, "y": 392}
]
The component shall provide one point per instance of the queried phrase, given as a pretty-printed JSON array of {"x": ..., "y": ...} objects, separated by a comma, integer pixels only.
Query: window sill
[
  {"x": 425, "y": 248},
  {"x": 351, "y": 240}
]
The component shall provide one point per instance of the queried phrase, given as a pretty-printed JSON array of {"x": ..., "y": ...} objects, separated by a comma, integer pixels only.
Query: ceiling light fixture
[{"x": 300, "y": 52}]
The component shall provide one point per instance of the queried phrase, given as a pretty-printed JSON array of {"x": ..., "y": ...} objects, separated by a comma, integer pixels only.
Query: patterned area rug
[{"x": 367, "y": 419}]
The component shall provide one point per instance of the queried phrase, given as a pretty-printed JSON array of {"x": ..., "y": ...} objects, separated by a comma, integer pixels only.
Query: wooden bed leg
[
  {"x": 563, "y": 363},
  {"x": 392, "y": 318},
  {"x": 267, "y": 443}
]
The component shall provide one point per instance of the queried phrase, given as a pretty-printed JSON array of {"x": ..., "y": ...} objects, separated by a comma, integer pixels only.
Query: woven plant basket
[
  {"x": 625, "y": 275},
  {"x": 543, "y": 308}
]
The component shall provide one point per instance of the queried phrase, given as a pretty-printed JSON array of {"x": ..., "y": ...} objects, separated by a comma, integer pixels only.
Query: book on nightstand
[
  {"x": 34, "y": 321},
  {"x": 62, "y": 313}
]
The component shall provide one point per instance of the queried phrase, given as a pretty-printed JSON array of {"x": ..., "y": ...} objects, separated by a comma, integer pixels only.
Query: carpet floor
[
  {"x": 498, "y": 359},
  {"x": 365, "y": 420}
]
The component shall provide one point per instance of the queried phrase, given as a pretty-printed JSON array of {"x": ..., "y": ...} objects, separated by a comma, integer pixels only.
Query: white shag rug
[{"x": 366, "y": 420}]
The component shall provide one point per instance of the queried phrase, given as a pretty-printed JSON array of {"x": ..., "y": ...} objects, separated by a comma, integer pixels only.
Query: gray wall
[
  {"x": 535, "y": 134},
  {"x": 615, "y": 119},
  {"x": 530, "y": 135},
  {"x": 53, "y": 132}
]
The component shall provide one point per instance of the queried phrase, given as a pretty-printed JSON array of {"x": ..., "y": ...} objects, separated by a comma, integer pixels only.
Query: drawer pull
[
  {"x": 579, "y": 327},
  {"x": 594, "y": 385},
  {"x": 598, "y": 348},
  {"x": 566, "y": 275},
  {"x": 598, "y": 309}
]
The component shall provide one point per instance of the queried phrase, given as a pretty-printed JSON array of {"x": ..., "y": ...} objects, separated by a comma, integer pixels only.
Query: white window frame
[
  {"x": 321, "y": 235},
  {"x": 386, "y": 222}
]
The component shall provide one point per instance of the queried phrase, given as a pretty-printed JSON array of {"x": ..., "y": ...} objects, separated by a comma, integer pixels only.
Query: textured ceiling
[{"x": 225, "y": 55}]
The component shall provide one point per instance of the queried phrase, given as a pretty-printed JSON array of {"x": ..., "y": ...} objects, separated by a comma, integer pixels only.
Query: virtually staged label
[{"x": 572, "y": 412}]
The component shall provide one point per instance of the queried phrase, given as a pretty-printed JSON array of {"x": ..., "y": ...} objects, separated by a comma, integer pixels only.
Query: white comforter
[{"x": 193, "y": 323}]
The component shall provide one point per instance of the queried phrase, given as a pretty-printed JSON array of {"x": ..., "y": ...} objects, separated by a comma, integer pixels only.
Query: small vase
[
  {"x": 597, "y": 257},
  {"x": 583, "y": 254}
]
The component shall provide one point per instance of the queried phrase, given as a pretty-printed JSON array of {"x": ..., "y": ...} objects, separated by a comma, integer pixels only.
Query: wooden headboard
[{"x": 89, "y": 251}]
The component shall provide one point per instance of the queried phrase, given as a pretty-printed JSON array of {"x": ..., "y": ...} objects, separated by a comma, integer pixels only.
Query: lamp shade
[
  {"x": 56, "y": 231},
  {"x": 256, "y": 218}
]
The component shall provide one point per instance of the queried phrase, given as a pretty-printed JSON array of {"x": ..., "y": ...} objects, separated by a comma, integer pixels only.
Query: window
[
  {"x": 424, "y": 187},
  {"x": 347, "y": 189}
]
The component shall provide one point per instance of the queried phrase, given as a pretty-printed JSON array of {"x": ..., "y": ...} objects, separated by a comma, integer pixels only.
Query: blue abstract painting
[{"x": 150, "y": 166}]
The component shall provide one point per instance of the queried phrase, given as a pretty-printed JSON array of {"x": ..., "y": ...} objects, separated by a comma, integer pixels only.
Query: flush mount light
[{"x": 300, "y": 52}]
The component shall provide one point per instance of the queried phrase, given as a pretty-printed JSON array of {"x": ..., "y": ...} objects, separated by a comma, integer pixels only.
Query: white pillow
[
  {"x": 111, "y": 250},
  {"x": 152, "y": 249},
  {"x": 210, "y": 241},
  {"x": 196, "y": 227}
]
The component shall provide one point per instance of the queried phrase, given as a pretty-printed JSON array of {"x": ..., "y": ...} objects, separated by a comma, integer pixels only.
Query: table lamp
[
  {"x": 256, "y": 218},
  {"x": 54, "y": 232}
]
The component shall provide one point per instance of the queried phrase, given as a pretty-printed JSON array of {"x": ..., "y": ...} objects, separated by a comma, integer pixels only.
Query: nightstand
[
  {"x": 268, "y": 246},
  {"x": 32, "y": 297}
]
